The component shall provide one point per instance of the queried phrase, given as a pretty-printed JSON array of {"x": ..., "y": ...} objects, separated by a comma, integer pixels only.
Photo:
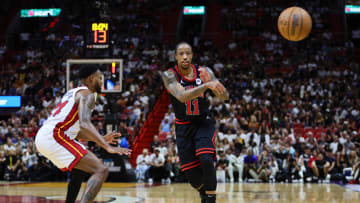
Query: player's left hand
[
  {"x": 111, "y": 137},
  {"x": 204, "y": 75}
]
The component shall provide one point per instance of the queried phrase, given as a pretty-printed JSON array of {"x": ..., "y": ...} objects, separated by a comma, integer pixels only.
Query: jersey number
[
  {"x": 59, "y": 107},
  {"x": 194, "y": 103}
]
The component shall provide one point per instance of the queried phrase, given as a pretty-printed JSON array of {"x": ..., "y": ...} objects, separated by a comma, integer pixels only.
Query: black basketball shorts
[{"x": 194, "y": 138}]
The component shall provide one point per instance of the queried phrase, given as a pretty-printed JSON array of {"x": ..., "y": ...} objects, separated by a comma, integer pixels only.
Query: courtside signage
[
  {"x": 194, "y": 10},
  {"x": 352, "y": 9},
  {"x": 32, "y": 13},
  {"x": 10, "y": 101}
]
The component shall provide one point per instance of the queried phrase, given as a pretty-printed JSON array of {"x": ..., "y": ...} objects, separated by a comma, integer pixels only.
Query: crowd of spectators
[
  {"x": 36, "y": 72},
  {"x": 292, "y": 113}
]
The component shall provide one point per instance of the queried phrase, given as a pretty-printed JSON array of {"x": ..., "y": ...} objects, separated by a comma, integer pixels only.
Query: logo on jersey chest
[{"x": 198, "y": 81}]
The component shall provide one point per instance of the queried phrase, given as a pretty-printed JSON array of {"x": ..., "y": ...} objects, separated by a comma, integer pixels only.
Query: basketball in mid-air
[{"x": 294, "y": 24}]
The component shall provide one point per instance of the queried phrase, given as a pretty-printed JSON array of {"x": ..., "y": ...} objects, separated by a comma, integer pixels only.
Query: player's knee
[
  {"x": 194, "y": 176},
  {"x": 207, "y": 162},
  {"x": 103, "y": 171}
]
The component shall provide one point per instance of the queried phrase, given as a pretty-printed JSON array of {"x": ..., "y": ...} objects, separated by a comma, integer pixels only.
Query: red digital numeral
[
  {"x": 100, "y": 36},
  {"x": 194, "y": 103},
  {"x": 59, "y": 107}
]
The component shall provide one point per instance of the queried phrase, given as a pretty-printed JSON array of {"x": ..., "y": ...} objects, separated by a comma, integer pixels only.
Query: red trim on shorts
[
  {"x": 182, "y": 123},
  {"x": 74, "y": 148},
  {"x": 188, "y": 164},
  {"x": 205, "y": 152},
  {"x": 183, "y": 77},
  {"x": 205, "y": 149},
  {"x": 190, "y": 167}
]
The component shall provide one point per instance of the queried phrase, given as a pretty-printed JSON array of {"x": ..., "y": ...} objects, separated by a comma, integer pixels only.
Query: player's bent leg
[
  {"x": 91, "y": 164},
  {"x": 74, "y": 185},
  {"x": 207, "y": 165},
  {"x": 195, "y": 177}
]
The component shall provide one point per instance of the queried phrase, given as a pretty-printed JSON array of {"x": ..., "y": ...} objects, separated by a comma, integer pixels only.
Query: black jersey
[{"x": 191, "y": 110}]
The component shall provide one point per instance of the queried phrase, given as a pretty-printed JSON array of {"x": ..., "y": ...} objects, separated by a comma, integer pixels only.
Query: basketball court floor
[{"x": 182, "y": 193}]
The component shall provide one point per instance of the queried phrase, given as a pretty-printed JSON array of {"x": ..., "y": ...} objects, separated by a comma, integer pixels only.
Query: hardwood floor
[{"x": 51, "y": 192}]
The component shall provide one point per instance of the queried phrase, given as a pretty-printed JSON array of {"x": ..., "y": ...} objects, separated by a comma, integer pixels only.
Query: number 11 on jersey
[{"x": 195, "y": 104}]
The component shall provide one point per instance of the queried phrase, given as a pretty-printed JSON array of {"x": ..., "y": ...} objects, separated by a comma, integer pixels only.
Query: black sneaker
[
  {"x": 202, "y": 195},
  {"x": 203, "y": 198},
  {"x": 210, "y": 198}
]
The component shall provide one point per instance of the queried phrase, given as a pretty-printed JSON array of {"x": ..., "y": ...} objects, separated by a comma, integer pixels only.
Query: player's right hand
[
  {"x": 216, "y": 86},
  {"x": 119, "y": 150}
]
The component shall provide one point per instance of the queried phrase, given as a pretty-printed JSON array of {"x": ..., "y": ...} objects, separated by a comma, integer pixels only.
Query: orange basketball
[{"x": 294, "y": 23}]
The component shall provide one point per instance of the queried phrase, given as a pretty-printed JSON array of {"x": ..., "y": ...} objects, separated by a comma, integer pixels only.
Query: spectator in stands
[
  {"x": 251, "y": 168},
  {"x": 157, "y": 169},
  {"x": 12, "y": 164},
  {"x": 306, "y": 168},
  {"x": 154, "y": 144},
  {"x": 173, "y": 164},
  {"x": 9, "y": 145},
  {"x": 29, "y": 108},
  {"x": 236, "y": 163},
  {"x": 165, "y": 126},
  {"x": 48, "y": 100},
  {"x": 334, "y": 144},
  {"x": 320, "y": 167},
  {"x": 330, "y": 158},
  {"x": 356, "y": 171},
  {"x": 163, "y": 148},
  {"x": 40, "y": 171},
  {"x": 292, "y": 168},
  {"x": 222, "y": 168},
  {"x": 2, "y": 164},
  {"x": 29, "y": 158},
  {"x": 142, "y": 165}
]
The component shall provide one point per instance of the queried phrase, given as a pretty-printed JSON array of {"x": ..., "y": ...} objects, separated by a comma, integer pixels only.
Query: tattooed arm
[
  {"x": 225, "y": 94},
  {"x": 178, "y": 91},
  {"x": 87, "y": 130}
]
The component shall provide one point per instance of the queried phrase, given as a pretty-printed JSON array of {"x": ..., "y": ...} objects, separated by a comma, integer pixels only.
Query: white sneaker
[
  {"x": 162, "y": 181},
  {"x": 328, "y": 177},
  {"x": 150, "y": 181},
  {"x": 231, "y": 180},
  {"x": 240, "y": 180},
  {"x": 168, "y": 181}
]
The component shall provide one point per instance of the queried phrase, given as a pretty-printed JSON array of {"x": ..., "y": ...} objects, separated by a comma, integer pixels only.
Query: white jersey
[
  {"x": 56, "y": 138},
  {"x": 64, "y": 117}
]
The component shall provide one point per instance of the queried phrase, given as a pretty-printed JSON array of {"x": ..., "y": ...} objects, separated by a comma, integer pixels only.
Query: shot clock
[{"x": 98, "y": 35}]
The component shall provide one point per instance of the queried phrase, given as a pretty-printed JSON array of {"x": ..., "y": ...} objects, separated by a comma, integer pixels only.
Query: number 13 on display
[{"x": 100, "y": 36}]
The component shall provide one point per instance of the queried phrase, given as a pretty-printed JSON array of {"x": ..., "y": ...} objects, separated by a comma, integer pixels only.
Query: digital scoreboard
[{"x": 98, "y": 35}]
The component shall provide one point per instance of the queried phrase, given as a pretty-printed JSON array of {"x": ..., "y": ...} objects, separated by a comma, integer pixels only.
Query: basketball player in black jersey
[{"x": 195, "y": 129}]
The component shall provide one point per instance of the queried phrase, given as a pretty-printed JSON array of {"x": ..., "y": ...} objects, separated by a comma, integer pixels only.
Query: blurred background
[{"x": 292, "y": 104}]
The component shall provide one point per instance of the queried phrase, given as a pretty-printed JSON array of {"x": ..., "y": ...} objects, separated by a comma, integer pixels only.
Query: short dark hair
[
  {"x": 86, "y": 71},
  {"x": 181, "y": 43}
]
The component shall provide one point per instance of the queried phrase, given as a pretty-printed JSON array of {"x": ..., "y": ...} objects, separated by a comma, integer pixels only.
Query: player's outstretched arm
[
  {"x": 178, "y": 91},
  {"x": 208, "y": 74},
  {"x": 88, "y": 130}
]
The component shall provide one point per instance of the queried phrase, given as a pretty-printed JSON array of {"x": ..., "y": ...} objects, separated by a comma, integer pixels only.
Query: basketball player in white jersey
[{"x": 70, "y": 119}]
